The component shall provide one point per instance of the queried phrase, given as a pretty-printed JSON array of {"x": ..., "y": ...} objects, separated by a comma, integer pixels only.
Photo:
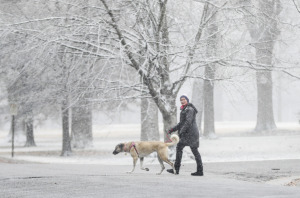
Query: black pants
[{"x": 179, "y": 149}]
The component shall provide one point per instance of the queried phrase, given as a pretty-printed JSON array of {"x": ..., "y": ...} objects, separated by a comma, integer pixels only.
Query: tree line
[{"x": 78, "y": 56}]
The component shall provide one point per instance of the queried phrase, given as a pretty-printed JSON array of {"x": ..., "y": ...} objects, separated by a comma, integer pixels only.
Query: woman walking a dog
[{"x": 189, "y": 135}]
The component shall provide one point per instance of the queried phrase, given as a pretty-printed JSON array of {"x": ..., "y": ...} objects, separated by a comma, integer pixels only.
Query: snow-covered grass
[{"x": 235, "y": 143}]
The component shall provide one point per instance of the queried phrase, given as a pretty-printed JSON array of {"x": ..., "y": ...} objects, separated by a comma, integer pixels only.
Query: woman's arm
[{"x": 176, "y": 127}]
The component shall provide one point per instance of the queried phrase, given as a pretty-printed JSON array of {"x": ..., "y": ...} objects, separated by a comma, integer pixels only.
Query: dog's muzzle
[{"x": 115, "y": 152}]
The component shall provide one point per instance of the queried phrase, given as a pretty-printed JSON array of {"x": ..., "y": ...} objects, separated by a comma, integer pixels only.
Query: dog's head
[{"x": 119, "y": 148}]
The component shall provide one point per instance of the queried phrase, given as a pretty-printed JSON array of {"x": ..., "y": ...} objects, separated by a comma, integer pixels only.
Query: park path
[{"x": 76, "y": 180}]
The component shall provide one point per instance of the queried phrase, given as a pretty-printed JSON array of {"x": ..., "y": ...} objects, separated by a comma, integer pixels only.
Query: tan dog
[{"x": 142, "y": 149}]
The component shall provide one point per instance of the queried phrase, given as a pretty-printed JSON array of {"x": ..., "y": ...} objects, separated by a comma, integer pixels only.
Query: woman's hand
[{"x": 170, "y": 131}]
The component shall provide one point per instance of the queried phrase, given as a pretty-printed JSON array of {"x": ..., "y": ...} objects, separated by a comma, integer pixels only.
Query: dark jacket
[{"x": 187, "y": 127}]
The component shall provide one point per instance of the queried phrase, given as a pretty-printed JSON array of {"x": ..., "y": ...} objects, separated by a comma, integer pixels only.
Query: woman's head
[{"x": 184, "y": 100}]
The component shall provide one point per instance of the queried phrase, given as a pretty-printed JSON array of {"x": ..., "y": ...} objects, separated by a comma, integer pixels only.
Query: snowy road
[
  {"x": 236, "y": 165},
  {"x": 235, "y": 179}
]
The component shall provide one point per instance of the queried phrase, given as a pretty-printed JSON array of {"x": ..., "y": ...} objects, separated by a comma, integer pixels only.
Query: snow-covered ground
[
  {"x": 88, "y": 180},
  {"x": 236, "y": 158},
  {"x": 235, "y": 143}
]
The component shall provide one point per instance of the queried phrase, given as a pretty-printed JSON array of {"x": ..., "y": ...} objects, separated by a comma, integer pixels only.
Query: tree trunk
[
  {"x": 265, "y": 117},
  {"x": 29, "y": 132},
  {"x": 209, "y": 119},
  {"x": 197, "y": 98},
  {"x": 169, "y": 121},
  {"x": 279, "y": 98},
  {"x": 264, "y": 31},
  {"x": 149, "y": 120},
  {"x": 66, "y": 145},
  {"x": 168, "y": 110},
  {"x": 209, "y": 73},
  {"x": 82, "y": 134}
]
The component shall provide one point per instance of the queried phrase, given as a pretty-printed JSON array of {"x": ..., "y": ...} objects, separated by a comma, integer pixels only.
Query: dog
[{"x": 143, "y": 148}]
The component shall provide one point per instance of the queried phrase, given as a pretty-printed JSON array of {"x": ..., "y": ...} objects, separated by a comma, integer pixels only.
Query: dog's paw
[
  {"x": 146, "y": 169},
  {"x": 129, "y": 172},
  {"x": 158, "y": 173}
]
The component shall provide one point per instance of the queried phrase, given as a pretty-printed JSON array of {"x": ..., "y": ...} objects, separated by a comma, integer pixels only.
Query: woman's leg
[
  {"x": 198, "y": 159},
  {"x": 179, "y": 149}
]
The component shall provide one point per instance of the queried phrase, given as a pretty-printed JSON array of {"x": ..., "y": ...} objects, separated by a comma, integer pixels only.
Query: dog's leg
[
  {"x": 164, "y": 157},
  {"x": 134, "y": 163},
  {"x": 171, "y": 164},
  {"x": 141, "y": 163},
  {"x": 161, "y": 164}
]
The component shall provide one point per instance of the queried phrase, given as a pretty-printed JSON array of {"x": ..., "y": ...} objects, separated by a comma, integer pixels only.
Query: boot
[
  {"x": 197, "y": 173},
  {"x": 198, "y": 159},
  {"x": 172, "y": 171}
]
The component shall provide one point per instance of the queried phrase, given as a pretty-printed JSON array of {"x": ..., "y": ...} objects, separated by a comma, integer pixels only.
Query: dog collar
[
  {"x": 125, "y": 150},
  {"x": 132, "y": 145}
]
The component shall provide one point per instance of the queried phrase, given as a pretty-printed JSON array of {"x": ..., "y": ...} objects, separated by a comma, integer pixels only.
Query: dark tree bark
[
  {"x": 264, "y": 55},
  {"x": 209, "y": 73},
  {"x": 82, "y": 133},
  {"x": 149, "y": 120},
  {"x": 197, "y": 98},
  {"x": 209, "y": 118},
  {"x": 29, "y": 132},
  {"x": 265, "y": 117},
  {"x": 169, "y": 119},
  {"x": 66, "y": 144}
]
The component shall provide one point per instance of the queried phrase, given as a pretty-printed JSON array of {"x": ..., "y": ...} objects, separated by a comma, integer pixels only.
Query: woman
[{"x": 189, "y": 135}]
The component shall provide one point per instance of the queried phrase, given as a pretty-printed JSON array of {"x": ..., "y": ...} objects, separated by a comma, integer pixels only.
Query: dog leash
[
  {"x": 168, "y": 138},
  {"x": 133, "y": 145}
]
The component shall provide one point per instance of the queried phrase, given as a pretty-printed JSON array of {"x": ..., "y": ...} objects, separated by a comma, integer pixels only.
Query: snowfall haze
[{"x": 79, "y": 77}]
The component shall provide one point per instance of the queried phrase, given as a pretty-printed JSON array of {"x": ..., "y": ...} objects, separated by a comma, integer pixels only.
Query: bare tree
[
  {"x": 263, "y": 27},
  {"x": 151, "y": 41},
  {"x": 155, "y": 69},
  {"x": 103, "y": 41},
  {"x": 209, "y": 72}
]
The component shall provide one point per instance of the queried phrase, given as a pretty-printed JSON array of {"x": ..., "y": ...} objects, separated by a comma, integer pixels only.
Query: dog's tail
[{"x": 175, "y": 140}]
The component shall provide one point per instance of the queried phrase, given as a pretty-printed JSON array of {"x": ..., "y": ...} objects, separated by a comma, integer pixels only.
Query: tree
[
  {"x": 157, "y": 52},
  {"x": 63, "y": 73},
  {"x": 161, "y": 55},
  {"x": 263, "y": 27},
  {"x": 209, "y": 72}
]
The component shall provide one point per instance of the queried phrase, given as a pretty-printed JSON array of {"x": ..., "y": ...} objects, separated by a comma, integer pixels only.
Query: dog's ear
[{"x": 120, "y": 146}]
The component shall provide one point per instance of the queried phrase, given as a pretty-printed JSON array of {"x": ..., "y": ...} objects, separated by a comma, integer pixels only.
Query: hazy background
[{"x": 82, "y": 68}]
